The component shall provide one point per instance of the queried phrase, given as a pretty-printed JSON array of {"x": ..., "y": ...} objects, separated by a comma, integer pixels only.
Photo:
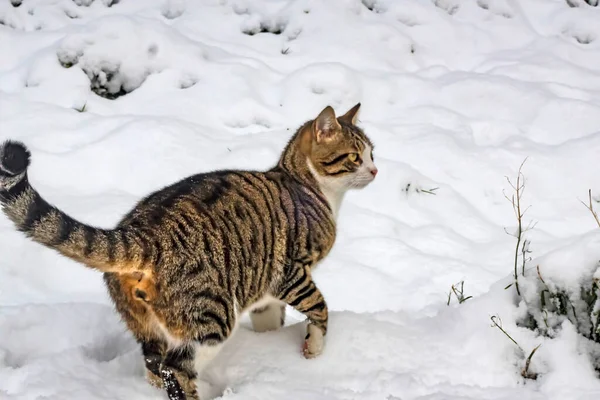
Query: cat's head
[{"x": 339, "y": 154}]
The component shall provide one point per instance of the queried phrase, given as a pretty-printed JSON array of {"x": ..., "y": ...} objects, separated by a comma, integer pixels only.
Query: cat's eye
[{"x": 352, "y": 156}]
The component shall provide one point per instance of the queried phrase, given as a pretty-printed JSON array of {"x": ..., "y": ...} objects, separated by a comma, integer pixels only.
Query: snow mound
[
  {"x": 119, "y": 53},
  {"x": 38, "y": 15}
]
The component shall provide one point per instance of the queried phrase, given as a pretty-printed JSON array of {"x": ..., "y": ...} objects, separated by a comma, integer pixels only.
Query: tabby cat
[{"x": 189, "y": 258}]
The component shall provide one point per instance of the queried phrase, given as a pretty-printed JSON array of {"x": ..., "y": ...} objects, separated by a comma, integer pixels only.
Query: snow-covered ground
[{"x": 455, "y": 94}]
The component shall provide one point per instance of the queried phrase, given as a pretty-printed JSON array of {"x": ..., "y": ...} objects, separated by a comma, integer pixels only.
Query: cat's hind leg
[
  {"x": 154, "y": 352},
  {"x": 269, "y": 317},
  {"x": 137, "y": 315},
  {"x": 178, "y": 373},
  {"x": 183, "y": 365},
  {"x": 203, "y": 329}
]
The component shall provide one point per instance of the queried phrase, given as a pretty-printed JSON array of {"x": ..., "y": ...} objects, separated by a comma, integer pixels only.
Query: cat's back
[
  {"x": 207, "y": 192},
  {"x": 264, "y": 215}
]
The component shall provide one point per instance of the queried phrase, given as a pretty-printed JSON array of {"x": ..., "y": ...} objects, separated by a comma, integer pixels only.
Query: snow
[{"x": 455, "y": 95}]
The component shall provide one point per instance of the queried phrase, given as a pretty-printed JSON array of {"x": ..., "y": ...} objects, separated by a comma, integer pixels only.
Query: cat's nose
[{"x": 374, "y": 172}]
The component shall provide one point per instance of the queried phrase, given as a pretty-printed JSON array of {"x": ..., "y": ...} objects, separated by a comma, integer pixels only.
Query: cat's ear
[
  {"x": 326, "y": 126},
  {"x": 351, "y": 115}
]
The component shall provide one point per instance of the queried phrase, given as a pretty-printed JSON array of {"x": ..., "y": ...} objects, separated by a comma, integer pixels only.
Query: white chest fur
[{"x": 332, "y": 190}]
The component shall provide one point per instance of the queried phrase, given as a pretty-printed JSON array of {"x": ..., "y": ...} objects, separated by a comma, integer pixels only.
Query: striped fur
[{"x": 189, "y": 258}]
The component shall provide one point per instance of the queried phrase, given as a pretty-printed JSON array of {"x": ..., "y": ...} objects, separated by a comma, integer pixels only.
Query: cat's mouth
[{"x": 362, "y": 181}]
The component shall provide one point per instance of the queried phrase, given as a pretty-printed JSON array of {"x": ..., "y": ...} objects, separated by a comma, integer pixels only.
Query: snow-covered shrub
[
  {"x": 119, "y": 53},
  {"x": 551, "y": 300},
  {"x": 87, "y": 3},
  {"x": 578, "y": 3},
  {"x": 173, "y": 9},
  {"x": 262, "y": 24},
  {"x": 565, "y": 286}
]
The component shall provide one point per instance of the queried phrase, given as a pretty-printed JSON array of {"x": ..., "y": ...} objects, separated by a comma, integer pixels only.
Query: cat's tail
[{"x": 113, "y": 250}]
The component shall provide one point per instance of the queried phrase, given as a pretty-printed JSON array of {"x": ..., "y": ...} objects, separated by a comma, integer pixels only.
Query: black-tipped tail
[
  {"x": 14, "y": 158},
  {"x": 106, "y": 250}
]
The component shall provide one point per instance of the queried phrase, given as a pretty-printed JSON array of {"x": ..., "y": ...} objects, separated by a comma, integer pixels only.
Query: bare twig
[
  {"x": 590, "y": 207},
  {"x": 522, "y": 245}
]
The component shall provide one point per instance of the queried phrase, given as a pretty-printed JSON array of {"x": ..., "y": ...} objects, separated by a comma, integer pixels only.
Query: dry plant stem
[
  {"x": 540, "y": 275},
  {"x": 459, "y": 293},
  {"x": 590, "y": 207},
  {"x": 524, "y": 251},
  {"x": 429, "y": 191},
  {"x": 525, "y": 373},
  {"x": 515, "y": 200},
  {"x": 499, "y": 326}
]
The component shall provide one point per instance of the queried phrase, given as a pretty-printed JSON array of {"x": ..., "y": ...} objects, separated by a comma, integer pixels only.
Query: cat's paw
[{"x": 313, "y": 342}]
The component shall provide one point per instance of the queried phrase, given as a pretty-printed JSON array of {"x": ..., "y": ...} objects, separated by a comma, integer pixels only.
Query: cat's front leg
[{"x": 302, "y": 293}]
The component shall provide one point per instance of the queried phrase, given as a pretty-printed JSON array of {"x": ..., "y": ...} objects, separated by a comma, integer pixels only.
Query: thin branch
[
  {"x": 509, "y": 234},
  {"x": 516, "y": 205},
  {"x": 530, "y": 226},
  {"x": 590, "y": 207},
  {"x": 522, "y": 245}
]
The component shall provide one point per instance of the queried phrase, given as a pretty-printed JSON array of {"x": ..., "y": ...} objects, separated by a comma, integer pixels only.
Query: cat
[{"x": 183, "y": 264}]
